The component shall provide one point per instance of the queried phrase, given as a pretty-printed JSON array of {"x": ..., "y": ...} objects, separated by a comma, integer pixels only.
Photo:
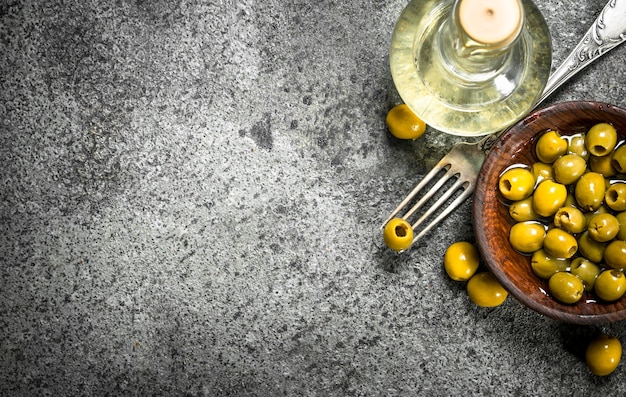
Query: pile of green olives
[{"x": 569, "y": 212}]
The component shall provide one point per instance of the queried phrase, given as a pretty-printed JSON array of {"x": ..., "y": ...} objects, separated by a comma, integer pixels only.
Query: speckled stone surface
[{"x": 191, "y": 200}]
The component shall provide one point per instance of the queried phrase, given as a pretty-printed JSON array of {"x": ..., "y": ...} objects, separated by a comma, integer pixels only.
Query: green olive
[
  {"x": 570, "y": 201},
  {"x": 610, "y": 285},
  {"x": 615, "y": 254},
  {"x": 542, "y": 171},
  {"x": 485, "y": 290},
  {"x": 548, "y": 197},
  {"x": 568, "y": 168},
  {"x": 545, "y": 265},
  {"x": 601, "y": 139},
  {"x": 590, "y": 248},
  {"x": 461, "y": 260},
  {"x": 566, "y": 287},
  {"x": 603, "y": 227},
  {"x": 516, "y": 184},
  {"x": 603, "y": 355},
  {"x": 560, "y": 244},
  {"x": 550, "y": 146},
  {"x": 522, "y": 210},
  {"x": 577, "y": 146},
  {"x": 527, "y": 237},
  {"x": 586, "y": 271},
  {"x": 621, "y": 218},
  {"x": 602, "y": 165},
  {"x": 589, "y": 191},
  {"x": 615, "y": 196},
  {"x": 570, "y": 219},
  {"x": 619, "y": 159},
  {"x": 601, "y": 210}
]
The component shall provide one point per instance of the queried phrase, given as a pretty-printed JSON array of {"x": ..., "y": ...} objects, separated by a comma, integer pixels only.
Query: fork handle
[{"x": 606, "y": 33}]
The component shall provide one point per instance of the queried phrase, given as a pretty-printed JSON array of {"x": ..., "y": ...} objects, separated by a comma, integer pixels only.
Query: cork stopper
[{"x": 491, "y": 22}]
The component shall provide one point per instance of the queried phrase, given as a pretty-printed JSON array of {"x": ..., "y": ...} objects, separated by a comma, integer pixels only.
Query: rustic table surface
[{"x": 191, "y": 199}]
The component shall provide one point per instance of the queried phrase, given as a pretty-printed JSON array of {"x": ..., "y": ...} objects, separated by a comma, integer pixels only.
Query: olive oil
[{"x": 463, "y": 87}]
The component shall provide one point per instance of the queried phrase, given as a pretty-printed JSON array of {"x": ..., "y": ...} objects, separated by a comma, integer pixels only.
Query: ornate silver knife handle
[{"x": 606, "y": 32}]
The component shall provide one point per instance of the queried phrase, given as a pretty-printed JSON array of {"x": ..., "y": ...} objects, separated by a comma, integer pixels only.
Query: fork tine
[
  {"x": 467, "y": 191},
  {"x": 434, "y": 189},
  {"x": 443, "y": 164}
]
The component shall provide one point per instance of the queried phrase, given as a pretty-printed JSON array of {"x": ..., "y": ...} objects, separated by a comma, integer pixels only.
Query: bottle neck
[{"x": 477, "y": 37}]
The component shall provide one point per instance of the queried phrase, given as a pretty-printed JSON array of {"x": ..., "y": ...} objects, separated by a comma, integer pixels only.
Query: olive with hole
[
  {"x": 589, "y": 191},
  {"x": 566, "y": 287},
  {"x": 601, "y": 139},
  {"x": 516, "y": 184},
  {"x": 570, "y": 219},
  {"x": 615, "y": 196}
]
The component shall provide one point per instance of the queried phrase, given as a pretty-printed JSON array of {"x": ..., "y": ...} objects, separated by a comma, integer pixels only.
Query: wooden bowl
[{"x": 492, "y": 222}]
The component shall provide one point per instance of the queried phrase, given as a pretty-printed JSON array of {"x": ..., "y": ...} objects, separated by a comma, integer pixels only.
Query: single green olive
[
  {"x": 619, "y": 159},
  {"x": 603, "y": 355},
  {"x": 577, "y": 146},
  {"x": 615, "y": 254},
  {"x": 603, "y": 227},
  {"x": 590, "y": 190},
  {"x": 545, "y": 265},
  {"x": 550, "y": 146},
  {"x": 548, "y": 197},
  {"x": 570, "y": 219},
  {"x": 570, "y": 201},
  {"x": 527, "y": 237},
  {"x": 485, "y": 290},
  {"x": 601, "y": 139},
  {"x": 585, "y": 270},
  {"x": 610, "y": 285},
  {"x": 522, "y": 210},
  {"x": 615, "y": 196},
  {"x": 566, "y": 287},
  {"x": 461, "y": 260},
  {"x": 568, "y": 168},
  {"x": 560, "y": 244},
  {"x": 590, "y": 248},
  {"x": 542, "y": 171},
  {"x": 516, "y": 183},
  {"x": 601, "y": 210},
  {"x": 602, "y": 165},
  {"x": 621, "y": 218}
]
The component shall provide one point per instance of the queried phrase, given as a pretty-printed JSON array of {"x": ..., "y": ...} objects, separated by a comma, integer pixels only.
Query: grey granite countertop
[{"x": 191, "y": 200}]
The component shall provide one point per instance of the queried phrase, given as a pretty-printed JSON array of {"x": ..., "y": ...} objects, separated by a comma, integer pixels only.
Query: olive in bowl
[{"x": 492, "y": 221}]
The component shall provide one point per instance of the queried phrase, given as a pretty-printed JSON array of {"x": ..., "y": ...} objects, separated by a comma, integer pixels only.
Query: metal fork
[{"x": 462, "y": 164}]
